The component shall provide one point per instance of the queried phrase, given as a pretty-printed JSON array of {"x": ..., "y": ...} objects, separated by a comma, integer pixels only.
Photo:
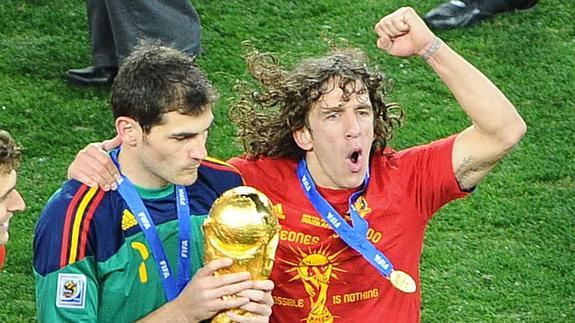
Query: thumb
[
  {"x": 384, "y": 43},
  {"x": 110, "y": 144}
]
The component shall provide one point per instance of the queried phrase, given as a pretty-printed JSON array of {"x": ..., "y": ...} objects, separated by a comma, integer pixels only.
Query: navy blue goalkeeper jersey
[{"x": 92, "y": 262}]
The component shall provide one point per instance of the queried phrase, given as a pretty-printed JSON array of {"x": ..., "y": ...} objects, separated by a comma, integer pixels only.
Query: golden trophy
[{"x": 242, "y": 225}]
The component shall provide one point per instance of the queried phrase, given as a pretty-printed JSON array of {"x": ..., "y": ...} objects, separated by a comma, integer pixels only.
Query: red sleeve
[
  {"x": 245, "y": 168},
  {"x": 255, "y": 173},
  {"x": 270, "y": 176},
  {"x": 429, "y": 176}
]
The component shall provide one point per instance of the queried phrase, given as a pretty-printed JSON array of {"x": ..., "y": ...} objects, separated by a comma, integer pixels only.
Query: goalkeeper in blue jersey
[{"x": 136, "y": 253}]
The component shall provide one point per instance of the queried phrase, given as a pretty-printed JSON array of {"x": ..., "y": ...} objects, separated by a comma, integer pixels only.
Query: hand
[
  {"x": 260, "y": 305},
  {"x": 94, "y": 167},
  {"x": 403, "y": 33},
  {"x": 203, "y": 298}
]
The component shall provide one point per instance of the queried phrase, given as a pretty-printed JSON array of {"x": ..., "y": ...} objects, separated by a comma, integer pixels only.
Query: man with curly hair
[
  {"x": 10, "y": 200},
  {"x": 353, "y": 211}
]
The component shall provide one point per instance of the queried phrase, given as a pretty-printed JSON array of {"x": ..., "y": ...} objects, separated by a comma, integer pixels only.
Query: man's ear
[
  {"x": 303, "y": 138},
  {"x": 128, "y": 130}
]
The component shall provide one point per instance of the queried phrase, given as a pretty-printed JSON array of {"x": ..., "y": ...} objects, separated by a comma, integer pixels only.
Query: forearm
[
  {"x": 169, "y": 312},
  {"x": 492, "y": 114},
  {"x": 496, "y": 127}
]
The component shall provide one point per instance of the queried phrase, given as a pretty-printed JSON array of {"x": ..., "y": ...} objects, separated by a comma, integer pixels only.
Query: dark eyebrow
[
  {"x": 330, "y": 109},
  {"x": 187, "y": 134},
  {"x": 184, "y": 135},
  {"x": 364, "y": 106}
]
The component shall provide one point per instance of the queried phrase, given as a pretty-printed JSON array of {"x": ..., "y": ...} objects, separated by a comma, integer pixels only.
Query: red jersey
[
  {"x": 2, "y": 255},
  {"x": 317, "y": 277}
]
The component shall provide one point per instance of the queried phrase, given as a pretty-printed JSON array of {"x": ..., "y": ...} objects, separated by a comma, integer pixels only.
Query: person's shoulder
[
  {"x": 75, "y": 194},
  {"x": 215, "y": 166},
  {"x": 416, "y": 159},
  {"x": 384, "y": 156},
  {"x": 267, "y": 173},
  {"x": 218, "y": 175},
  {"x": 77, "y": 204},
  {"x": 71, "y": 190},
  {"x": 438, "y": 144},
  {"x": 65, "y": 231},
  {"x": 263, "y": 165}
]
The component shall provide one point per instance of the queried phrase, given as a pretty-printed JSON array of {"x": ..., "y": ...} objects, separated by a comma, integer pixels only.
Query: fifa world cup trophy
[{"x": 242, "y": 225}]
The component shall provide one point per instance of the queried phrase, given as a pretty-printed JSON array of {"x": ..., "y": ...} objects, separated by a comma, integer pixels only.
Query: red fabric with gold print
[{"x": 317, "y": 277}]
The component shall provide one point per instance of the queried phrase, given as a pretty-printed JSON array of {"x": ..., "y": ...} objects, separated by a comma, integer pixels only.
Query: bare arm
[
  {"x": 496, "y": 125},
  {"x": 496, "y": 128}
]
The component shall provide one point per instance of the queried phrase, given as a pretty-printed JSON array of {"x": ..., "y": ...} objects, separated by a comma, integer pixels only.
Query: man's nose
[
  {"x": 198, "y": 150},
  {"x": 352, "y": 127},
  {"x": 16, "y": 202}
]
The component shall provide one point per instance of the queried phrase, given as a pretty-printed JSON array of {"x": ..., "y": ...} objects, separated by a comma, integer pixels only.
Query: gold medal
[{"x": 402, "y": 281}]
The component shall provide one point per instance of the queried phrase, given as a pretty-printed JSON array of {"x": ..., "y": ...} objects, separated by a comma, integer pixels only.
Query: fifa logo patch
[{"x": 71, "y": 291}]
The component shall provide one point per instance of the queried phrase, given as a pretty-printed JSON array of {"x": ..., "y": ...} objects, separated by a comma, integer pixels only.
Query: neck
[{"x": 136, "y": 172}]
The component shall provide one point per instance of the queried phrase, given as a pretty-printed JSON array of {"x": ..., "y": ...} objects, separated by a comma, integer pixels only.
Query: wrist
[
  {"x": 430, "y": 49},
  {"x": 180, "y": 313}
]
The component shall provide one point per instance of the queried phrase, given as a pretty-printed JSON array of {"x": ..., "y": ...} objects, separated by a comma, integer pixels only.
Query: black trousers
[{"x": 116, "y": 26}]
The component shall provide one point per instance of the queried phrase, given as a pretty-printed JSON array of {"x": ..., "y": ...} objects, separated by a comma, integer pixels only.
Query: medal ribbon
[
  {"x": 136, "y": 205},
  {"x": 356, "y": 236}
]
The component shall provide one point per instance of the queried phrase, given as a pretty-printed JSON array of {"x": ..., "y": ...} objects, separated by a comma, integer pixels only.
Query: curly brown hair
[
  {"x": 10, "y": 153},
  {"x": 266, "y": 119}
]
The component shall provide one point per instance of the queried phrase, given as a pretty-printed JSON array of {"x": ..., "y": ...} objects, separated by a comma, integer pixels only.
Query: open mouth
[{"x": 355, "y": 158}]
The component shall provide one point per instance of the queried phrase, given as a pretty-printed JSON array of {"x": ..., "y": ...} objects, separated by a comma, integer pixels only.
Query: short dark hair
[
  {"x": 156, "y": 79},
  {"x": 10, "y": 153}
]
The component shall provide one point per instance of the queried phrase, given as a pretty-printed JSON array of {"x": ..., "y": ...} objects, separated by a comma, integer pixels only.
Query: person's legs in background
[
  {"x": 103, "y": 48},
  {"x": 173, "y": 23},
  {"x": 117, "y": 26}
]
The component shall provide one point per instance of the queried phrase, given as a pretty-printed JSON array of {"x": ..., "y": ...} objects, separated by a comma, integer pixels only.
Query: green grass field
[{"x": 505, "y": 254}]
